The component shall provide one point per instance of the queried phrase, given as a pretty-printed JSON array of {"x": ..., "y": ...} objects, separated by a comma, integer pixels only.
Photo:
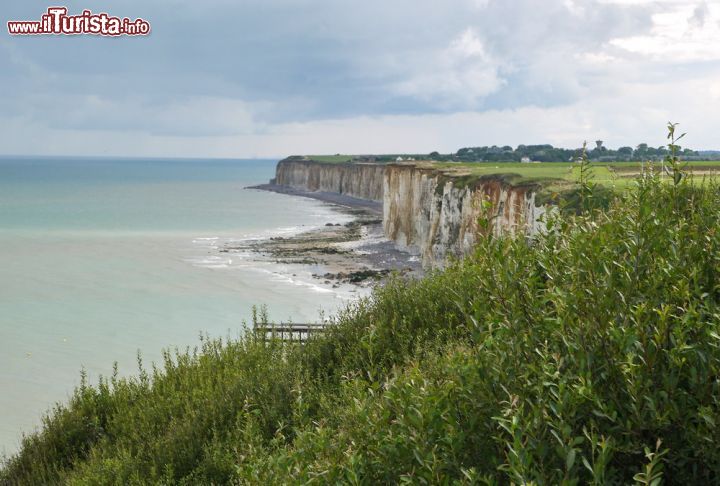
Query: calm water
[{"x": 102, "y": 258}]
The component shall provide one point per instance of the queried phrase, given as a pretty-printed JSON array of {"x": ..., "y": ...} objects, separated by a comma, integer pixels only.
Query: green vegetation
[
  {"x": 558, "y": 180},
  {"x": 537, "y": 153},
  {"x": 548, "y": 153},
  {"x": 589, "y": 356},
  {"x": 552, "y": 177},
  {"x": 338, "y": 158}
]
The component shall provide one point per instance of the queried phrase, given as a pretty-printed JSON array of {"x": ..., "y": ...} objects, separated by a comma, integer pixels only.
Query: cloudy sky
[{"x": 227, "y": 78}]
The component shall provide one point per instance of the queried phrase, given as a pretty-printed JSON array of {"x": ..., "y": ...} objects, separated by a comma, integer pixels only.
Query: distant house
[
  {"x": 399, "y": 159},
  {"x": 525, "y": 160}
]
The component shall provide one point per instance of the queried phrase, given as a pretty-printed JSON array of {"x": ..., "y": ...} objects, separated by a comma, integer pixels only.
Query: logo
[{"x": 56, "y": 21}]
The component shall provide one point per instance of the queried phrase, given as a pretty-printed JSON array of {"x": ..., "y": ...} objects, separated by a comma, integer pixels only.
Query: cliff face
[
  {"x": 426, "y": 212},
  {"x": 436, "y": 216},
  {"x": 364, "y": 181}
]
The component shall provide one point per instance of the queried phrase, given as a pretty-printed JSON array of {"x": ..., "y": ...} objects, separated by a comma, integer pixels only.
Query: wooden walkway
[{"x": 287, "y": 332}]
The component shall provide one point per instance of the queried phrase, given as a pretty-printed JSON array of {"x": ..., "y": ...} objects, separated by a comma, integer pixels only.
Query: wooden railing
[{"x": 287, "y": 332}]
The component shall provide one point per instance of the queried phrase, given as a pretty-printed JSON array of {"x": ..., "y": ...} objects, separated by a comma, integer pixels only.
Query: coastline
[
  {"x": 355, "y": 253},
  {"x": 375, "y": 207}
]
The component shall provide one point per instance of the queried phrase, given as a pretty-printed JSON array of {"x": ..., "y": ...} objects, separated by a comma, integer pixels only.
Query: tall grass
[{"x": 589, "y": 355}]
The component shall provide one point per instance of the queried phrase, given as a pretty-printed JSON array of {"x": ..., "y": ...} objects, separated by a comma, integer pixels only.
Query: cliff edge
[
  {"x": 360, "y": 180},
  {"x": 429, "y": 211}
]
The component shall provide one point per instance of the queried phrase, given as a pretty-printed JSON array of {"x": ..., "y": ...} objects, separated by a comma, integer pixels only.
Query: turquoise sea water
[{"x": 100, "y": 258}]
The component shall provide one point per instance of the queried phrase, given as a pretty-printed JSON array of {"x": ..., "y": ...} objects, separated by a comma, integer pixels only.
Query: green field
[
  {"x": 331, "y": 158},
  {"x": 553, "y": 176},
  {"x": 561, "y": 175}
]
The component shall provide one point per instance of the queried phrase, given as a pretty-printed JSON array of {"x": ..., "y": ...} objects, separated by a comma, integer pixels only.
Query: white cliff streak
[{"x": 425, "y": 211}]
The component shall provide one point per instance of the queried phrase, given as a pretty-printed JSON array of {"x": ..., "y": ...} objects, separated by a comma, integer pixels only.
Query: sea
[{"x": 102, "y": 259}]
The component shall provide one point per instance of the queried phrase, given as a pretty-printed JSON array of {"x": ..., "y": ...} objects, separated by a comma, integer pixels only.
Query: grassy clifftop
[
  {"x": 591, "y": 355},
  {"x": 551, "y": 177}
]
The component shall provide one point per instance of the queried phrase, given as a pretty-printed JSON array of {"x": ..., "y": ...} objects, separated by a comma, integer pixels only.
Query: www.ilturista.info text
[{"x": 57, "y": 21}]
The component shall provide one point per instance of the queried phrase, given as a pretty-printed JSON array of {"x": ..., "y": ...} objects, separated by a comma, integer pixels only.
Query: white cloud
[
  {"x": 460, "y": 75},
  {"x": 596, "y": 58},
  {"x": 680, "y": 33},
  {"x": 699, "y": 15},
  {"x": 480, "y": 4},
  {"x": 574, "y": 8},
  {"x": 637, "y": 2}
]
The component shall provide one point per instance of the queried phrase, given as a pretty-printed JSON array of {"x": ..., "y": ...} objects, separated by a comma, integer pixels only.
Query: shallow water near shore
[{"x": 100, "y": 258}]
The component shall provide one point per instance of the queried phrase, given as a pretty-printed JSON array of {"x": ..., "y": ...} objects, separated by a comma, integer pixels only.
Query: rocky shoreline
[
  {"x": 342, "y": 200},
  {"x": 355, "y": 253}
]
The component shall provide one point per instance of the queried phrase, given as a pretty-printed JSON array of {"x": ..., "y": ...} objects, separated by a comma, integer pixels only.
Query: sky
[{"x": 268, "y": 78}]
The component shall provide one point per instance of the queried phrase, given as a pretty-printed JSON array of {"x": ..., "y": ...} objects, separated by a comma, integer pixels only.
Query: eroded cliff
[
  {"x": 438, "y": 215},
  {"x": 364, "y": 181},
  {"x": 427, "y": 211}
]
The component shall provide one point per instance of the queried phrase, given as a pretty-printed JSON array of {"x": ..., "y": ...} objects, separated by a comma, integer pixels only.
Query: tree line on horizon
[{"x": 549, "y": 153}]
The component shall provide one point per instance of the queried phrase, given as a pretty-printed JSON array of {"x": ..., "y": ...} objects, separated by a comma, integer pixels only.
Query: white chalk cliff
[{"x": 426, "y": 211}]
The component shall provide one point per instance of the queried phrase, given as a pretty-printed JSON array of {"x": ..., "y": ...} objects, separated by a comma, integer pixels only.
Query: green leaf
[{"x": 570, "y": 459}]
